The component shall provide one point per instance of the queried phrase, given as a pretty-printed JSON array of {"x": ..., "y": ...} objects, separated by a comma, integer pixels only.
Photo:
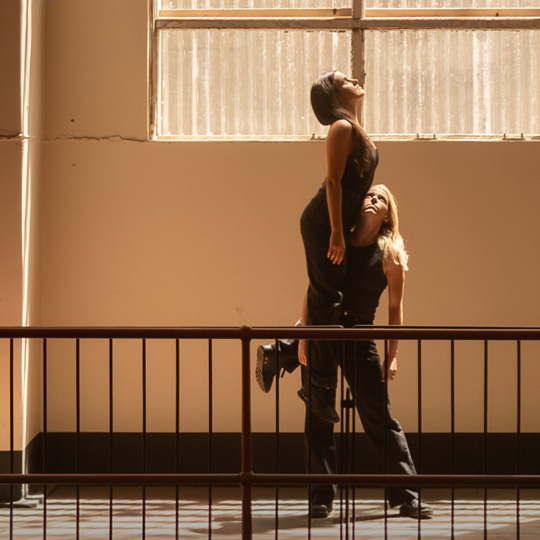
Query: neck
[
  {"x": 352, "y": 107},
  {"x": 366, "y": 232},
  {"x": 353, "y": 110}
]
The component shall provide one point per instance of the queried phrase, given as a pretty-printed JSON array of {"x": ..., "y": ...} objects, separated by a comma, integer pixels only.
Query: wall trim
[{"x": 502, "y": 451}]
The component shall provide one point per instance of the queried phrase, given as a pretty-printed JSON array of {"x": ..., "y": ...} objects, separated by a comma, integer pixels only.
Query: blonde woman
[{"x": 376, "y": 259}]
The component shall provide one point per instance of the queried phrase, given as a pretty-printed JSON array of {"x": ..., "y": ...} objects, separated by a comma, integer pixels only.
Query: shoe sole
[
  {"x": 425, "y": 514},
  {"x": 319, "y": 513},
  {"x": 259, "y": 371}
]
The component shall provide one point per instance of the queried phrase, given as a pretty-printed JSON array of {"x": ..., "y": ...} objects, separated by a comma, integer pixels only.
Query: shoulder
[
  {"x": 393, "y": 271},
  {"x": 340, "y": 128},
  {"x": 339, "y": 137}
]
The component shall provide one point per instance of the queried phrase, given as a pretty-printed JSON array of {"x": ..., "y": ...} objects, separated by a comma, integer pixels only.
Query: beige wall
[
  {"x": 32, "y": 241},
  {"x": 10, "y": 105},
  {"x": 10, "y": 274},
  {"x": 20, "y": 150},
  {"x": 11, "y": 155},
  {"x": 162, "y": 233}
]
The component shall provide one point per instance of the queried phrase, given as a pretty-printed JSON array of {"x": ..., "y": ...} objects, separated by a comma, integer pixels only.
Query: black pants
[
  {"x": 362, "y": 370},
  {"x": 326, "y": 280}
]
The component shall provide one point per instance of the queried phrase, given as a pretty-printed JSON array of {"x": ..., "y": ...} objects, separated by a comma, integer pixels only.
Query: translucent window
[
  {"x": 250, "y": 4},
  {"x": 235, "y": 76},
  {"x": 234, "y": 83},
  {"x": 461, "y": 4},
  {"x": 452, "y": 82}
]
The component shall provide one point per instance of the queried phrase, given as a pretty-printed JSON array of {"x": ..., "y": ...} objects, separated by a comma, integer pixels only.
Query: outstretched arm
[{"x": 395, "y": 275}]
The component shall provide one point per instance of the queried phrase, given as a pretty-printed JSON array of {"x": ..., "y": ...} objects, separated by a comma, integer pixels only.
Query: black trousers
[
  {"x": 362, "y": 371},
  {"x": 326, "y": 280}
]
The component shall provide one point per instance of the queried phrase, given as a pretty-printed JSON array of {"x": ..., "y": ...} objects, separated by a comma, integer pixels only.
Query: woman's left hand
[
  {"x": 302, "y": 351},
  {"x": 336, "y": 251},
  {"x": 391, "y": 370}
]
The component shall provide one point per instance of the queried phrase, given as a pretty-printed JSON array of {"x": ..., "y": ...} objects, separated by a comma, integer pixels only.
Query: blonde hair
[{"x": 390, "y": 240}]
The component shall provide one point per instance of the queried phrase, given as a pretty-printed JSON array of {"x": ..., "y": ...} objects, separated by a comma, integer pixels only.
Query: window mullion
[
  {"x": 357, "y": 49},
  {"x": 264, "y": 23},
  {"x": 351, "y": 23},
  {"x": 256, "y": 13}
]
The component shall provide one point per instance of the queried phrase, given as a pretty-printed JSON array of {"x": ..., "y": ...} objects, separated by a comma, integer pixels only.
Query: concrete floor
[{"x": 193, "y": 516}]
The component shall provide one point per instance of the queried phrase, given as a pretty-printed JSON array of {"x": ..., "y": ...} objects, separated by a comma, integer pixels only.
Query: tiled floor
[{"x": 194, "y": 514}]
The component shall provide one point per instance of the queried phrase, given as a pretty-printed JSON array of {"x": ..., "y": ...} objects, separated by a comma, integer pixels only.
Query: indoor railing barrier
[{"x": 25, "y": 358}]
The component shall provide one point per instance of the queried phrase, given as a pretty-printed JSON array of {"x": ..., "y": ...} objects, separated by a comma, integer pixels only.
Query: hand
[
  {"x": 336, "y": 251},
  {"x": 391, "y": 371},
  {"x": 302, "y": 352}
]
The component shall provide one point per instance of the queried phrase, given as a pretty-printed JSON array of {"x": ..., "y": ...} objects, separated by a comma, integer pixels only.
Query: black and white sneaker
[
  {"x": 265, "y": 371},
  {"x": 415, "y": 509},
  {"x": 319, "y": 511}
]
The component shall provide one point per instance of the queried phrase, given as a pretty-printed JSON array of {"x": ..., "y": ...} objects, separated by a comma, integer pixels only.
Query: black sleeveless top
[
  {"x": 354, "y": 187},
  {"x": 353, "y": 181},
  {"x": 365, "y": 282}
]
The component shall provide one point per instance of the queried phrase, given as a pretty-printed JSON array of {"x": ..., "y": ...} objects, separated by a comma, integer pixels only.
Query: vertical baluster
[
  {"x": 353, "y": 448},
  {"x": 44, "y": 446},
  {"x": 11, "y": 437},
  {"x": 210, "y": 434},
  {"x": 485, "y": 431},
  {"x": 176, "y": 440},
  {"x": 144, "y": 437},
  {"x": 276, "y": 517},
  {"x": 452, "y": 431},
  {"x": 78, "y": 431},
  {"x": 347, "y": 458},
  {"x": 308, "y": 441},
  {"x": 342, "y": 452},
  {"x": 247, "y": 441},
  {"x": 518, "y": 442},
  {"x": 385, "y": 438},
  {"x": 419, "y": 429},
  {"x": 111, "y": 426}
]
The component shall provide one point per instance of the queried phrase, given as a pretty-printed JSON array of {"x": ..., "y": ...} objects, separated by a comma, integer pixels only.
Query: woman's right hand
[
  {"x": 336, "y": 251},
  {"x": 302, "y": 351}
]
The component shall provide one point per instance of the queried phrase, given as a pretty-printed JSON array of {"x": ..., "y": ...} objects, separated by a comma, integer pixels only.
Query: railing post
[{"x": 247, "y": 443}]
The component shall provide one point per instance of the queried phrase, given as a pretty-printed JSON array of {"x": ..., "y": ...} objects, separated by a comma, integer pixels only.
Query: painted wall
[
  {"x": 32, "y": 239},
  {"x": 10, "y": 52},
  {"x": 162, "y": 233},
  {"x": 11, "y": 155}
]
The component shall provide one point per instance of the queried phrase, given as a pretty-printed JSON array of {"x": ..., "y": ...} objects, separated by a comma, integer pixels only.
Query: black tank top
[
  {"x": 354, "y": 187},
  {"x": 353, "y": 181},
  {"x": 364, "y": 284}
]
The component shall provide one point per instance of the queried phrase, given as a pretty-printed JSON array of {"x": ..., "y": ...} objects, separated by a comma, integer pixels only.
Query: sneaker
[
  {"x": 319, "y": 511},
  {"x": 267, "y": 357},
  {"x": 415, "y": 509},
  {"x": 265, "y": 371}
]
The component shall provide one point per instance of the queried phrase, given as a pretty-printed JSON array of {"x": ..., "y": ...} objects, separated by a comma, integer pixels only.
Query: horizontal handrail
[
  {"x": 271, "y": 479},
  {"x": 272, "y": 332}
]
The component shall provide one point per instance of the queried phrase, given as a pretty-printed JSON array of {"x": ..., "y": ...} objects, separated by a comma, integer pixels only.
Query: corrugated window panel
[
  {"x": 452, "y": 82},
  {"x": 439, "y": 4},
  {"x": 244, "y": 83},
  {"x": 246, "y": 4}
]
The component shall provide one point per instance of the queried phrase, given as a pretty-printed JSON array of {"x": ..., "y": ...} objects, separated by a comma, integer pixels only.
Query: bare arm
[
  {"x": 302, "y": 343},
  {"x": 338, "y": 146},
  {"x": 395, "y": 275}
]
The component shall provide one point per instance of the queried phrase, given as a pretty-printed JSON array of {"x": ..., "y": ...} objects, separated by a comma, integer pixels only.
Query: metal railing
[{"x": 246, "y": 477}]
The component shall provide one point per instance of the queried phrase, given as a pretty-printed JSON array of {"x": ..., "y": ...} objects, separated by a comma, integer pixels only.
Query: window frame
[{"x": 356, "y": 19}]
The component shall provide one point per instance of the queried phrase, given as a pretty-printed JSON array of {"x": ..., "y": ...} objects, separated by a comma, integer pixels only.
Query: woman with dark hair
[{"x": 351, "y": 159}]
